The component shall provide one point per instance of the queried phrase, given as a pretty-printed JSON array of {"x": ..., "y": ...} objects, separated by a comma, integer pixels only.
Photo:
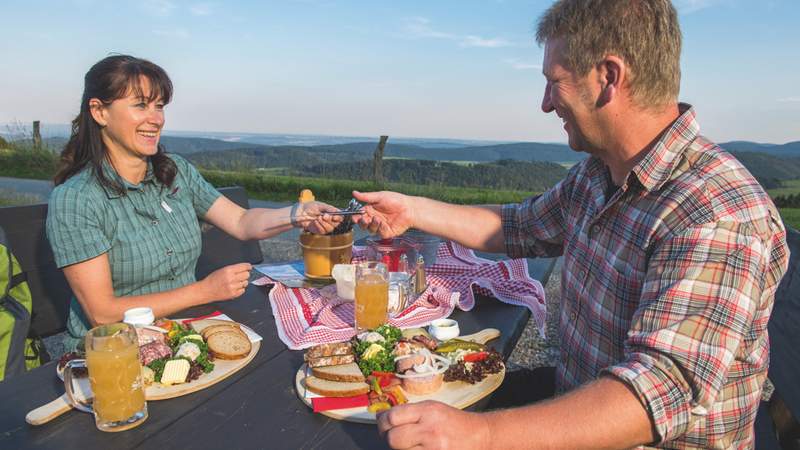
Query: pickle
[{"x": 458, "y": 344}]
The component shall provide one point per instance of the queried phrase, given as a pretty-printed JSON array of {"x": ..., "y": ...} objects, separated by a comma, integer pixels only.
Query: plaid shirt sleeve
[
  {"x": 701, "y": 292},
  {"x": 203, "y": 193},
  {"x": 536, "y": 227}
]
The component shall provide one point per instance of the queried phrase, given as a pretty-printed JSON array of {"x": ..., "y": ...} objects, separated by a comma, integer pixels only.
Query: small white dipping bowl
[{"x": 444, "y": 329}]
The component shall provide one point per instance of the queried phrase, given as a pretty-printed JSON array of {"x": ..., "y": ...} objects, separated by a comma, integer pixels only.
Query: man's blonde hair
[{"x": 645, "y": 33}]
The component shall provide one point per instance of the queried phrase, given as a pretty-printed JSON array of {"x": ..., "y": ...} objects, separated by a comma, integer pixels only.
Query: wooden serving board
[
  {"x": 457, "y": 394},
  {"x": 222, "y": 370}
]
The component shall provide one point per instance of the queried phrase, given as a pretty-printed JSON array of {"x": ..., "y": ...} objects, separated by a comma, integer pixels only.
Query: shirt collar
[
  {"x": 658, "y": 164},
  {"x": 112, "y": 175}
]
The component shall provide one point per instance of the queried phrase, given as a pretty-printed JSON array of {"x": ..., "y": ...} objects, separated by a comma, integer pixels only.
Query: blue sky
[{"x": 466, "y": 69}]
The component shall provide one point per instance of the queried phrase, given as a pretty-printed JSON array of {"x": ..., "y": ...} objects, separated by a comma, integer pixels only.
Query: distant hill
[
  {"x": 768, "y": 169},
  {"x": 787, "y": 149},
  {"x": 504, "y": 175}
]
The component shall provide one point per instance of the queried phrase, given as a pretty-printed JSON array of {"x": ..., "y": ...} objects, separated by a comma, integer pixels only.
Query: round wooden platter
[
  {"x": 457, "y": 394},
  {"x": 222, "y": 370}
]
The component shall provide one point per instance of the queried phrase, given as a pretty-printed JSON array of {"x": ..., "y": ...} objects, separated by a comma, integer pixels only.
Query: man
[{"x": 672, "y": 254}]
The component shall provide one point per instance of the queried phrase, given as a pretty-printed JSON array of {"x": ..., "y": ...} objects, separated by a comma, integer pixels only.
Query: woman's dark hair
[{"x": 110, "y": 79}]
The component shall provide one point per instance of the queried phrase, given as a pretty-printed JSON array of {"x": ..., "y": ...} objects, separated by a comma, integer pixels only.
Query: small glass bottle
[{"x": 420, "y": 282}]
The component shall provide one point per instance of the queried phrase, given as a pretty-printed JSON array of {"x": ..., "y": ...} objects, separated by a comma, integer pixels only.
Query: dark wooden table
[{"x": 255, "y": 408}]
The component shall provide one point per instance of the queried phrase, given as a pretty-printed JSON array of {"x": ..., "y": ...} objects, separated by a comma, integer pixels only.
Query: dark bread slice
[{"x": 331, "y": 360}]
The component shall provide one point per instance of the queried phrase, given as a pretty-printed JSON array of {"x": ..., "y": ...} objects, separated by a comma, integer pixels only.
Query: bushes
[{"x": 28, "y": 163}]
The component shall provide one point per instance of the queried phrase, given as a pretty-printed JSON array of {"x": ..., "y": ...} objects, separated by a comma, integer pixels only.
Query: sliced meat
[
  {"x": 153, "y": 351},
  {"x": 147, "y": 336},
  {"x": 426, "y": 341},
  {"x": 404, "y": 364}
]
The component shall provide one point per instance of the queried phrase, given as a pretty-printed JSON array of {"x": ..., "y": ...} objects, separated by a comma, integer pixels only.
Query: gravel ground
[{"x": 532, "y": 350}]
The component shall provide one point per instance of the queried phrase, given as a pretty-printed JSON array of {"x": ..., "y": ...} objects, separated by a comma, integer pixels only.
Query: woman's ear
[{"x": 98, "y": 110}]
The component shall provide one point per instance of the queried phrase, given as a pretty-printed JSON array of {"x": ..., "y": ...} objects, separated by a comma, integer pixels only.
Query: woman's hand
[
  {"x": 388, "y": 214},
  {"x": 227, "y": 283},
  {"x": 310, "y": 216}
]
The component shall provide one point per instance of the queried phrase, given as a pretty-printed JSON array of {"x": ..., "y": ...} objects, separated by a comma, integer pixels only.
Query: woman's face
[{"x": 131, "y": 126}]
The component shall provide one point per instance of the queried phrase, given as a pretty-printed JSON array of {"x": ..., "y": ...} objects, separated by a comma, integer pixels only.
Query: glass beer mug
[
  {"x": 115, "y": 374},
  {"x": 372, "y": 295}
]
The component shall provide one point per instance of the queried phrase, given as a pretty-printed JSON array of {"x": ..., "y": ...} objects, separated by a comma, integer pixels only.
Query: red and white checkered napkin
[{"x": 307, "y": 317}]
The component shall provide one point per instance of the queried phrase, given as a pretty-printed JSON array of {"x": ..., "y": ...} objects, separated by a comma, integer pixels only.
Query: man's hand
[
  {"x": 387, "y": 214},
  {"x": 310, "y": 216},
  {"x": 433, "y": 425},
  {"x": 228, "y": 282}
]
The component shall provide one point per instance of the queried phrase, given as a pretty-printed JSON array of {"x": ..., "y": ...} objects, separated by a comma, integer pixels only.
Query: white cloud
[
  {"x": 789, "y": 100},
  {"x": 419, "y": 28},
  {"x": 158, "y": 8},
  {"x": 521, "y": 65},
  {"x": 201, "y": 9},
  {"x": 178, "y": 33},
  {"x": 477, "y": 41}
]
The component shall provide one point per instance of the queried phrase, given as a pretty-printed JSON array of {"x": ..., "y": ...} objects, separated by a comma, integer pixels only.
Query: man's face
[{"x": 571, "y": 97}]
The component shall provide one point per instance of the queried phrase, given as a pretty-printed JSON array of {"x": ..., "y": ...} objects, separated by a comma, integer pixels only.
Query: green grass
[
  {"x": 791, "y": 217},
  {"x": 339, "y": 192},
  {"x": 789, "y": 187}
]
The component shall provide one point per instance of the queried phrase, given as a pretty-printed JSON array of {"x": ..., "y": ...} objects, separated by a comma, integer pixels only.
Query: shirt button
[
  {"x": 169, "y": 252},
  {"x": 596, "y": 229},
  {"x": 155, "y": 222},
  {"x": 572, "y": 316},
  {"x": 171, "y": 278}
]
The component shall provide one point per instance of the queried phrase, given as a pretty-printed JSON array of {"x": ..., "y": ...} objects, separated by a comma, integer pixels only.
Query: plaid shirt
[{"x": 667, "y": 285}]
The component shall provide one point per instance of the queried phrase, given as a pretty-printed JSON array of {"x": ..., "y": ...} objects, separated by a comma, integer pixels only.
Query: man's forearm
[
  {"x": 476, "y": 227},
  {"x": 602, "y": 414}
]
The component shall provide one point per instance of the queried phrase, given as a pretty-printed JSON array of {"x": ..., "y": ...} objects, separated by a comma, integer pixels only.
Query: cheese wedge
[{"x": 175, "y": 372}]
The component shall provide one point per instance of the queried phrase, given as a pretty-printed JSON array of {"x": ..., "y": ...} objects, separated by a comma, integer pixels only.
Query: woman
[{"x": 123, "y": 218}]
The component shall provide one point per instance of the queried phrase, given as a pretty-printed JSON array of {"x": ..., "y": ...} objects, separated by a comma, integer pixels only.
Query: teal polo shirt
[{"x": 150, "y": 231}]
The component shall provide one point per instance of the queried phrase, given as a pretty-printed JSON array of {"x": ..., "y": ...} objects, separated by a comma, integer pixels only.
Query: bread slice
[
  {"x": 215, "y": 330},
  {"x": 329, "y": 388},
  {"x": 331, "y": 360},
  {"x": 229, "y": 345},
  {"x": 202, "y": 324},
  {"x": 207, "y": 331},
  {"x": 342, "y": 372},
  {"x": 334, "y": 349}
]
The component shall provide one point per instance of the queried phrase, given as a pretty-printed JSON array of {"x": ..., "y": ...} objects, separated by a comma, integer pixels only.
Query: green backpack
[{"x": 18, "y": 351}]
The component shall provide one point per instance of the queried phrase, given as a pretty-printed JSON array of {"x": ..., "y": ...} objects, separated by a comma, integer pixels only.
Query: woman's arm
[
  {"x": 90, "y": 280},
  {"x": 263, "y": 223}
]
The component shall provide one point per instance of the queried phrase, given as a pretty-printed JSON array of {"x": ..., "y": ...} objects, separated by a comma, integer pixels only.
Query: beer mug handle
[{"x": 84, "y": 406}]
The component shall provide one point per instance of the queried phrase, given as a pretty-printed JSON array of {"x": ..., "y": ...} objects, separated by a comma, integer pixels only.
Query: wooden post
[
  {"x": 37, "y": 136},
  {"x": 377, "y": 162}
]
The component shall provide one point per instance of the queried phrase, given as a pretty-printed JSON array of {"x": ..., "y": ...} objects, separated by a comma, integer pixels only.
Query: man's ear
[
  {"x": 98, "y": 110},
  {"x": 611, "y": 73}
]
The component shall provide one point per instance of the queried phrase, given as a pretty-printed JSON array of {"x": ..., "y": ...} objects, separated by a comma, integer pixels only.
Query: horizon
[{"x": 414, "y": 70}]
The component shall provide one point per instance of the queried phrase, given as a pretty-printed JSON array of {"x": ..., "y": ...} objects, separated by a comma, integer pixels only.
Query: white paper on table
[
  {"x": 254, "y": 337},
  {"x": 283, "y": 272}
]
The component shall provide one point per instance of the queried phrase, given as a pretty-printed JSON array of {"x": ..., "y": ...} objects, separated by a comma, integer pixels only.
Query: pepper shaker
[{"x": 420, "y": 282}]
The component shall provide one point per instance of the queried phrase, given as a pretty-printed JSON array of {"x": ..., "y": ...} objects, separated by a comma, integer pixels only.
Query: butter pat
[{"x": 175, "y": 372}]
